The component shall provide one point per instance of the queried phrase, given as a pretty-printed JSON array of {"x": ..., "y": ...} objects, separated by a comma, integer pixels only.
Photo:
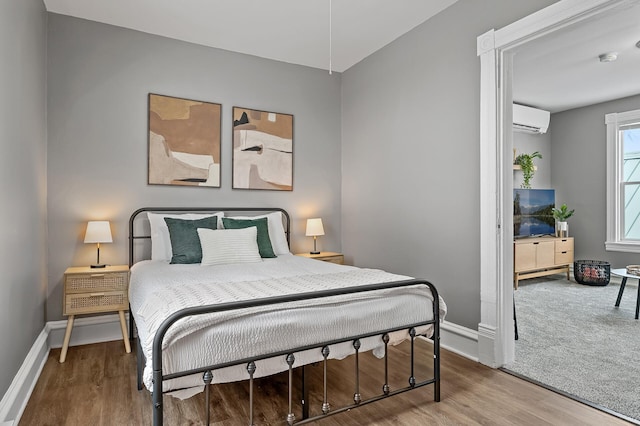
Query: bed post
[
  {"x": 305, "y": 395},
  {"x": 290, "y": 416},
  {"x": 207, "y": 377},
  {"x": 157, "y": 397},
  {"x": 156, "y": 364},
  {"x": 436, "y": 342}
]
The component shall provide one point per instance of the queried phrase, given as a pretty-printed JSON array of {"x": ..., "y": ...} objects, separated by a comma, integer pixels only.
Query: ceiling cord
[{"x": 330, "y": 41}]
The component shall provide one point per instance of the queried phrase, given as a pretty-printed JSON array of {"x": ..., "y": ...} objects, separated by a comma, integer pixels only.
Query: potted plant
[
  {"x": 561, "y": 215},
  {"x": 525, "y": 161}
]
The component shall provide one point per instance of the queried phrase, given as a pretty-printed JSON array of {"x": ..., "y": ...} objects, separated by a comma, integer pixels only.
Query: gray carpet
[{"x": 571, "y": 337}]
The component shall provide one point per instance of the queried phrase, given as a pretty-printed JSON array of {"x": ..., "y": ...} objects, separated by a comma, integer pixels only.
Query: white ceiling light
[{"x": 608, "y": 57}]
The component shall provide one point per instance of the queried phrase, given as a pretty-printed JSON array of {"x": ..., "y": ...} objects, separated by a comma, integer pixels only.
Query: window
[{"x": 623, "y": 181}]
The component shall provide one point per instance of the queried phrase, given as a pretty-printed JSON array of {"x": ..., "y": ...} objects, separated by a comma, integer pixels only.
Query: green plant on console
[
  {"x": 562, "y": 214},
  {"x": 525, "y": 161}
]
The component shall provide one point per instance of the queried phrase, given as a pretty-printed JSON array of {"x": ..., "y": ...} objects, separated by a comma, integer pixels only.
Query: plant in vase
[
  {"x": 561, "y": 215},
  {"x": 525, "y": 161}
]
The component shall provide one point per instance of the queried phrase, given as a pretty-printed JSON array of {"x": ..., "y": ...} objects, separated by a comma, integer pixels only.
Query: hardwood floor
[{"x": 97, "y": 386}]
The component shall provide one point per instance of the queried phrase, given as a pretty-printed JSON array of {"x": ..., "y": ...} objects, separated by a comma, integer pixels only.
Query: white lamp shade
[
  {"x": 314, "y": 227},
  {"x": 98, "y": 231}
]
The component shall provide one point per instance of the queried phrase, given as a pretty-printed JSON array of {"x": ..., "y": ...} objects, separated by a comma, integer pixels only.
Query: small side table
[
  {"x": 95, "y": 290},
  {"x": 623, "y": 273},
  {"x": 326, "y": 256}
]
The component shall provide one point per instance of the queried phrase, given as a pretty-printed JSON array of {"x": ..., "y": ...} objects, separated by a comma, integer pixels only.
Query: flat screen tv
[{"x": 532, "y": 215}]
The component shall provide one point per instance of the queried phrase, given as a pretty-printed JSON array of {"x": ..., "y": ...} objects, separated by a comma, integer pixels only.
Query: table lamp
[
  {"x": 98, "y": 231},
  {"x": 314, "y": 229}
]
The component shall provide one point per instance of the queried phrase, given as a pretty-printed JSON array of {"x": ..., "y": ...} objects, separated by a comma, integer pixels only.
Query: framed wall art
[
  {"x": 184, "y": 142},
  {"x": 262, "y": 150}
]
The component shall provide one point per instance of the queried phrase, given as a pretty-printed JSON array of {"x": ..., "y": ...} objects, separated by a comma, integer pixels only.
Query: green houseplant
[
  {"x": 561, "y": 215},
  {"x": 525, "y": 161}
]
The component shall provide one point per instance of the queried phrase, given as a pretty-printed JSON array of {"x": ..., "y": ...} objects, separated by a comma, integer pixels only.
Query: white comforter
[{"x": 158, "y": 289}]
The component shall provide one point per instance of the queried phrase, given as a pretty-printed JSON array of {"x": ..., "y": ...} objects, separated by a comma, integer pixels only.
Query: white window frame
[{"x": 615, "y": 211}]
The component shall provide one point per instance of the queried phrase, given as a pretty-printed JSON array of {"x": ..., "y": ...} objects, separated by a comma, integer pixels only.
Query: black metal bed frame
[{"x": 289, "y": 354}]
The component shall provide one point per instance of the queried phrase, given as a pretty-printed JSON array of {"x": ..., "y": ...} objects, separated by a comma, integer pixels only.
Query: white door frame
[{"x": 496, "y": 345}]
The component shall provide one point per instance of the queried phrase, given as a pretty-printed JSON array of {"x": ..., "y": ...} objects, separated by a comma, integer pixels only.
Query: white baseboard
[
  {"x": 104, "y": 328},
  {"x": 486, "y": 345},
  {"x": 460, "y": 340},
  {"x": 15, "y": 399}
]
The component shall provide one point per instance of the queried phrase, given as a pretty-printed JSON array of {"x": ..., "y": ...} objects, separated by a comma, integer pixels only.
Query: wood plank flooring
[{"x": 97, "y": 386}]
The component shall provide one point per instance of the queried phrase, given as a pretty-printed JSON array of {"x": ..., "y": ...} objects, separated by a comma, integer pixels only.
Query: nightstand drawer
[
  {"x": 96, "y": 282},
  {"x": 334, "y": 259},
  {"x": 93, "y": 302},
  {"x": 325, "y": 256}
]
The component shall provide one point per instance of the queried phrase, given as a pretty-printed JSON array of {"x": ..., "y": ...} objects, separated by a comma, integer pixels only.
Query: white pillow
[
  {"x": 160, "y": 240},
  {"x": 276, "y": 231},
  {"x": 220, "y": 247}
]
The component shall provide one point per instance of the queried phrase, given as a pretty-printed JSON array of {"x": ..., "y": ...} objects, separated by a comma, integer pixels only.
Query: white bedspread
[{"x": 158, "y": 289}]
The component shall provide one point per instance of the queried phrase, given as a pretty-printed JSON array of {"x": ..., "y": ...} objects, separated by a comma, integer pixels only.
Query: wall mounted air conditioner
[{"x": 530, "y": 120}]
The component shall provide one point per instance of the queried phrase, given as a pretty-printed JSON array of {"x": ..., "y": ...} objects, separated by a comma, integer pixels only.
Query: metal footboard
[{"x": 324, "y": 347}]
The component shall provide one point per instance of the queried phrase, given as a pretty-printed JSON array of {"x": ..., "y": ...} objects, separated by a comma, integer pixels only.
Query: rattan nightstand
[{"x": 91, "y": 291}]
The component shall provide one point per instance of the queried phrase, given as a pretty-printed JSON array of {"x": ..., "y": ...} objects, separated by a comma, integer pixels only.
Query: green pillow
[
  {"x": 185, "y": 242},
  {"x": 264, "y": 242}
]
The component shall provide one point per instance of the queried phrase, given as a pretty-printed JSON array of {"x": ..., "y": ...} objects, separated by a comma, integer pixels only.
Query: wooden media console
[{"x": 540, "y": 256}]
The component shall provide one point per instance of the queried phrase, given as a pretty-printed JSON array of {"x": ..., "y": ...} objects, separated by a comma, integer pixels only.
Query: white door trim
[{"x": 495, "y": 332}]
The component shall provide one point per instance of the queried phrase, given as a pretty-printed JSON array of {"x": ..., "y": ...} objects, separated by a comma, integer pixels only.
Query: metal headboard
[{"x": 142, "y": 236}]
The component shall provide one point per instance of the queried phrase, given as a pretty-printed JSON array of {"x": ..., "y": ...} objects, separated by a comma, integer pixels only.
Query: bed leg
[
  {"x": 207, "y": 377},
  {"x": 385, "y": 386},
  {"x": 325, "y": 403},
  {"x": 436, "y": 362},
  {"x": 139, "y": 362},
  {"x": 156, "y": 398},
  {"x": 305, "y": 394},
  {"x": 130, "y": 324},
  {"x": 251, "y": 368},
  {"x": 412, "y": 378},
  {"x": 357, "y": 398},
  {"x": 290, "y": 416}
]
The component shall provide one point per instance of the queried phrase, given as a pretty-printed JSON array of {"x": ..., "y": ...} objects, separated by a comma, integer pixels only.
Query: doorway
[{"x": 495, "y": 49}]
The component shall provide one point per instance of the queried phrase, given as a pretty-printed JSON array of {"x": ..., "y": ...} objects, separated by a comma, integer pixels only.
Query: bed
[{"x": 226, "y": 314}]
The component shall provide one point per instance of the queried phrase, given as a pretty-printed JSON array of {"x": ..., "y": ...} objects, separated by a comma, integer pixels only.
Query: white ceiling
[
  {"x": 561, "y": 71},
  {"x": 294, "y": 31}
]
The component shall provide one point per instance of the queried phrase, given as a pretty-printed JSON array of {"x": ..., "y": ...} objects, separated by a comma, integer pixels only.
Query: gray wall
[
  {"x": 99, "y": 77},
  {"x": 410, "y": 153},
  {"x": 23, "y": 187},
  {"x": 529, "y": 143},
  {"x": 579, "y": 174}
]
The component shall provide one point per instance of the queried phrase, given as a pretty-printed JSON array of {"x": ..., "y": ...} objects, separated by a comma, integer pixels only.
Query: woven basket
[{"x": 592, "y": 272}]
